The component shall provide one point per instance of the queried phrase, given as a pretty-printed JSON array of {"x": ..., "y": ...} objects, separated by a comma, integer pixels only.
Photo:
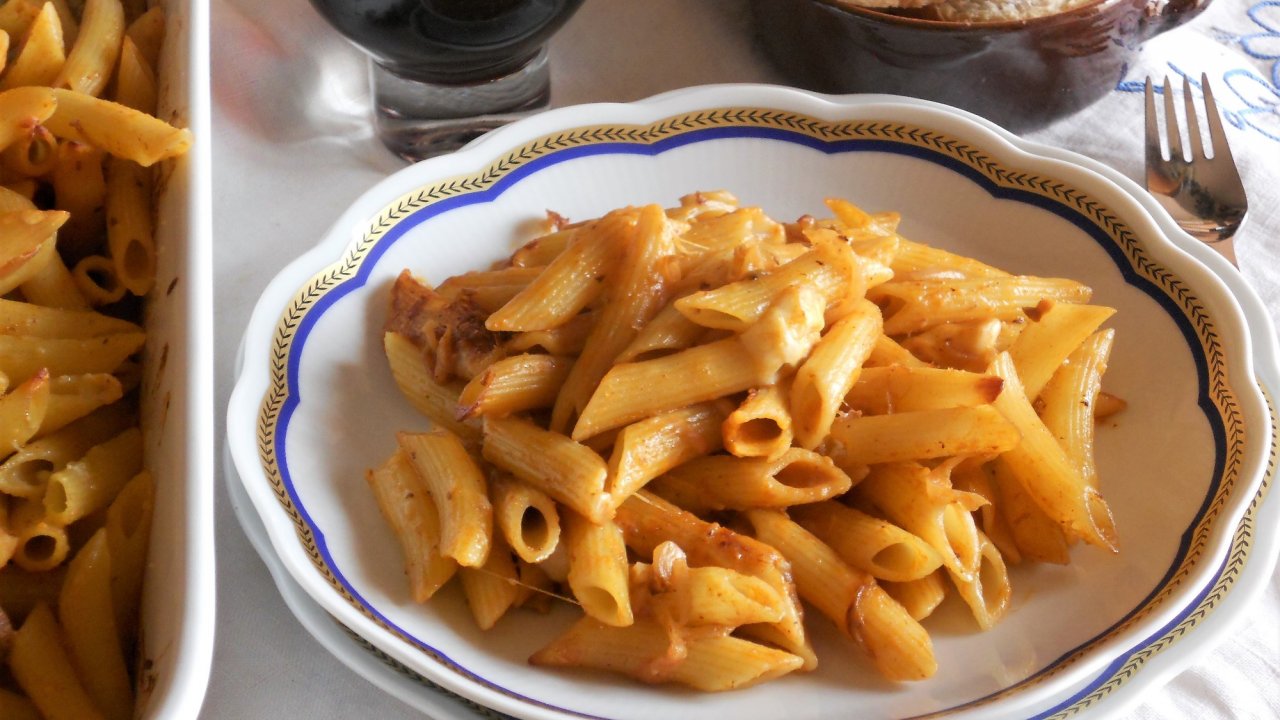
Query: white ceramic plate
[{"x": 315, "y": 404}]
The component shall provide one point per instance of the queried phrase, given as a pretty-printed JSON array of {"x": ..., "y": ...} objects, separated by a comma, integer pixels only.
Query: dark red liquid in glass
[{"x": 447, "y": 41}]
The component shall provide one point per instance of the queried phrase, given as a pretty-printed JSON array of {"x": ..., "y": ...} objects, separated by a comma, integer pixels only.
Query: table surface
[{"x": 293, "y": 147}]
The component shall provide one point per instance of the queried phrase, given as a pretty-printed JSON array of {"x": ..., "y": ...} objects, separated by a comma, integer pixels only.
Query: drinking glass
[{"x": 444, "y": 72}]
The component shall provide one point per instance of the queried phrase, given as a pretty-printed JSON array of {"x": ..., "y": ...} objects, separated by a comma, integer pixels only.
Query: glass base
[{"x": 418, "y": 120}]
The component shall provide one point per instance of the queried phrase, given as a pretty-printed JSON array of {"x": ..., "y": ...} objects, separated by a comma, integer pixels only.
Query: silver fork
[{"x": 1203, "y": 194}]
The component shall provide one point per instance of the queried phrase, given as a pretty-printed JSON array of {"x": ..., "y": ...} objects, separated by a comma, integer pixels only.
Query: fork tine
[
  {"x": 1154, "y": 153},
  {"x": 1217, "y": 137},
  {"x": 1193, "y": 123},
  {"x": 1171, "y": 124}
]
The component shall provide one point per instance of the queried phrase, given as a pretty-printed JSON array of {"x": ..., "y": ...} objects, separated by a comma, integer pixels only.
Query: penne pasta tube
[
  {"x": 783, "y": 336},
  {"x": 489, "y": 289},
  {"x": 72, "y": 397},
  {"x": 22, "y": 356},
  {"x": 646, "y": 449},
  {"x": 724, "y": 482},
  {"x": 42, "y": 545},
  {"x": 821, "y": 383},
  {"x": 896, "y": 389},
  {"x": 514, "y": 384},
  {"x": 761, "y": 426},
  {"x": 52, "y": 285},
  {"x": 147, "y": 32},
  {"x": 437, "y": 401},
  {"x": 95, "y": 277},
  {"x": 540, "y": 251},
  {"x": 915, "y": 258},
  {"x": 919, "y": 500},
  {"x": 459, "y": 491},
  {"x": 135, "y": 81},
  {"x": 895, "y": 643},
  {"x": 23, "y": 234},
  {"x": 1042, "y": 468},
  {"x": 571, "y": 281},
  {"x": 527, "y": 517},
  {"x": 874, "y": 546},
  {"x": 916, "y": 305},
  {"x": 634, "y": 294},
  {"x": 128, "y": 527},
  {"x": 130, "y": 236},
  {"x": 598, "y": 571},
  {"x": 1035, "y": 535},
  {"x": 89, "y": 629},
  {"x": 80, "y": 187},
  {"x": 647, "y": 521},
  {"x": 491, "y": 588},
  {"x": 119, "y": 130},
  {"x": 679, "y": 596},
  {"x": 87, "y": 485},
  {"x": 407, "y": 505},
  {"x": 92, "y": 58},
  {"x": 21, "y": 475},
  {"x": 18, "y": 318},
  {"x": 43, "y": 670},
  {"x": 829, "y": 269},
  {"x": 668, "y": 331},
  {"x": 643, "y": 651},
  {"x": 1044, "y": 345},
  {"x": 976, "y": 475},
  {"x": 568, "y": 471},
  {"x": 921, "y": 596},
  {"x": 986, "y": 592},
  {"x": 921, "y": 435},
  {"x": 566, "y": 339},
  {"x": 41, "y": 55},
  {"x": 1069, "y": 398}
]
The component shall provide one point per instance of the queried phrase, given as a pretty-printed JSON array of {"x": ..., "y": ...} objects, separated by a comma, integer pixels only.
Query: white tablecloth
[{"x": 293, "y": 147}]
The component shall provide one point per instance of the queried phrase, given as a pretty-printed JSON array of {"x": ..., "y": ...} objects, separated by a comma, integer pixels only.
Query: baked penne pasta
[
  {"x": 842, "y": 397},
  {"x": 598, "y": 572},
  {"x": 832, "y": 368},
  {"x": 1040, "y": 465},
  {"x": 491, "y": 588},
  {"x": 96, "y": 48},
  {"x": 406, "y": 502},
  {"x": 921, "y": 435},
  {"x": 528, "y": 518},
  {"x": 459, "y": 491},
  {"x": 40, "y": 55},
  {"x": 571, "y": 281},
  {"x": 783, "y": 336},
  {"x": 874, "y": 546},
  {"x": 723, "y": 482},
  {"x": 895, "y": 643},
  {"x": 641, "y": 651},
  {"x": 649, "y": 448}
]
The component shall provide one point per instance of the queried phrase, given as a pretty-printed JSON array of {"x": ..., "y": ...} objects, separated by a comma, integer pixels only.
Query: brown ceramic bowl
[{"x": 1021, "y": 74}]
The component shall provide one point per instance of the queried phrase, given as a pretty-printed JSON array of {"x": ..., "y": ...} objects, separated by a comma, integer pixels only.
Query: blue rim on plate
[{"x": 1216, "y": 397}]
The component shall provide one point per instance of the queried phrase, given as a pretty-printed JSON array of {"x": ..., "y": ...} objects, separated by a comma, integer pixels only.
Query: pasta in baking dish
[{"x": 688, "y": 421}]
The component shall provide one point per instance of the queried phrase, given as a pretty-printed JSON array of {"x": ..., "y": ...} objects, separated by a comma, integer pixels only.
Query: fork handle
[{"x": 1162, "y": 15}]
